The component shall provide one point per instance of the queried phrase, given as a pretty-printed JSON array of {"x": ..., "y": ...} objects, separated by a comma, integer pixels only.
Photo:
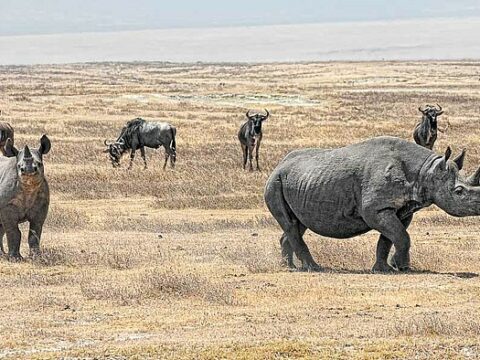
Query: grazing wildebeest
[
  {"x": 425, "y": 132},
  {"x": 137, "y": 134},
  {"x": 376, "y": 184},
  {"x": 31, "y": 197},
  {"x": 6, "y": 132},
  {"x": 250, "y": 136}
]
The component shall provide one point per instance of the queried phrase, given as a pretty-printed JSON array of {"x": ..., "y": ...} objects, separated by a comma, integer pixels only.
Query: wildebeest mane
[{"x": 129, "y": 130}]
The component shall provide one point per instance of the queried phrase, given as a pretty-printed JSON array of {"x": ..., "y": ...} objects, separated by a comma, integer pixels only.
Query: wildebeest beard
[{"x": 116, "y": 151}]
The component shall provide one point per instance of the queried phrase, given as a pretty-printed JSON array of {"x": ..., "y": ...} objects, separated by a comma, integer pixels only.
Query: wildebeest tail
[{"x": 173, "y": 144}]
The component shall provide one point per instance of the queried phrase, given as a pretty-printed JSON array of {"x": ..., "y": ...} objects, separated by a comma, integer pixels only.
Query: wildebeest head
[
  {"x": 256, "y": 120},
  {"x": 115, "y": 150},
  {"x": 29, "y": 161},
  {"x": 431, "y": 113}
]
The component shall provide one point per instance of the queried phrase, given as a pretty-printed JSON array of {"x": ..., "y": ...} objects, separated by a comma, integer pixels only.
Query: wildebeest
[
  {"x": 376, "y": 184},
  {"x": 30, "y": 199},
  {"x": 137, "y": 134},
  {"x": 425, "y": 132},
  {"x": 250, "y": 136},
  {"x": 6, "y": 132}
]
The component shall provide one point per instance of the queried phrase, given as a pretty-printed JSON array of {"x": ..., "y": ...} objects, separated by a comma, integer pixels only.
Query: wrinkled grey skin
[
  {"x": 250, "y": 136},
  {"x": 138, "y": 134},
  {"x": 425, "y": 132},
  {"x": 30, "y": 200},
  {"x": 376, "y": 184}
]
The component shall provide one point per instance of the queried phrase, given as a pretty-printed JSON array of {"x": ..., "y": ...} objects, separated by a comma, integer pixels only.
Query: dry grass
[{"x": 185, "y": 263}]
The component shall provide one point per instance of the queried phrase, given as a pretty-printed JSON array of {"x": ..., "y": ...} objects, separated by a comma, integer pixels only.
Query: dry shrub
[
  {"x": 257, "y": 258},
  {"x": 62, "y": 218},
  {"x": 106, "y": 256},
  {"x": 337, "y": 254},
  {"x": 439, "y": 258},
  {"x": 462, "y": 324},
  {"x": 156, "y": 283}
]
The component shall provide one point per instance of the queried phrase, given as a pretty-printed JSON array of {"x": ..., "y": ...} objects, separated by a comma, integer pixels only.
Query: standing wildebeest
[
  {"x": 31, "y": 197},
  {"x": 6, "y": 132},
  {"x": 425, "y": 132},
  {"x": 376, "y": 184},
  {"x": 139, "y": 133},
  {"x": 250, "y": 136}
]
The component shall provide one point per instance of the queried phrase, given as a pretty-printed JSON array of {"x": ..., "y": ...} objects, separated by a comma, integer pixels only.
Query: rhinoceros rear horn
[
  {"x": 474, "y": 179},
  {"x": 459, "y": 159}
]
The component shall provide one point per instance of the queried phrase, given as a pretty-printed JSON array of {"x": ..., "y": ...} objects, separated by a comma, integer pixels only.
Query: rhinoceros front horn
[{"x": 474, "y": 179}]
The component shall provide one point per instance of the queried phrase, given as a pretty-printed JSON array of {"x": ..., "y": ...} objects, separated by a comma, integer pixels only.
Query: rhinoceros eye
[{"x": 459, "y": 190}]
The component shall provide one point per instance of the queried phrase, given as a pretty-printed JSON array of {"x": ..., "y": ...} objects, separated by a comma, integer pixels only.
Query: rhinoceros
[
  {"x": 375, "y": 184},
  {"x": 24, "y": 195}
]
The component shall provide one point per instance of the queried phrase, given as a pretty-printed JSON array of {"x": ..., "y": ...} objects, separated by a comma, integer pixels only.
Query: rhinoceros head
[
  {"x": 456, "y": 195},
  {"x": 29, "y": 161}
]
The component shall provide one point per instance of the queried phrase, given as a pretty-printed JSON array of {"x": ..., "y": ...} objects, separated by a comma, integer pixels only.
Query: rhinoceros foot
[
  {"x": 311, "y": 266},
  {"x": 382, "y": 268}
]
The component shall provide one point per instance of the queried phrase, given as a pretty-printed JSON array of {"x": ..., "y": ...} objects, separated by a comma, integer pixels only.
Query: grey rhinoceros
[
  {"x": 24, "y": 195},
  {"x": 376, "y": 184}
]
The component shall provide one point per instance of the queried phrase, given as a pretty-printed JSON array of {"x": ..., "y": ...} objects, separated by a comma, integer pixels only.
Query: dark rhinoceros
[
  {"x": 376, "y": 184},
  {"x": 24, "y": 195}
]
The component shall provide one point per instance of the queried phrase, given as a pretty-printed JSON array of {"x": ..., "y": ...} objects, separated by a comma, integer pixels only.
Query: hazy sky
[{"x": 59, "y": 16}]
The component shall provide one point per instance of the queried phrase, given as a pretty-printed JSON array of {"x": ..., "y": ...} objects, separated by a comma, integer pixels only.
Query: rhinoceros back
[{"x": 8, "y": 179}]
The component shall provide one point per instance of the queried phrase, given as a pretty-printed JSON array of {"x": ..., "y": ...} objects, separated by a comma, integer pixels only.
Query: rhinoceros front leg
[
  {"x": 383, "y": 250},
  {"x": 14, "y": 237},
  {"x": 34, "y": 235},
  {"x": 390, "y": 226}
]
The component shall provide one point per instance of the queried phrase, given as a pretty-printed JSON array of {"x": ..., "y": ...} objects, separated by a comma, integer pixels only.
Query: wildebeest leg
[
  {"x": 167, "y": 155},
  {"x": 142, "y": 153},
  {"x": 250, "y": 156},
  {"x": 34, "y": 235},
  {"x": 245, "y": 155},
  {"x": 132, "y": 156},
  {"x": 383, "y": 249},
  {"x": 390, "y": 226},
  {"x": 293, "y": 229},
  {"x": 257, "y": 147}
]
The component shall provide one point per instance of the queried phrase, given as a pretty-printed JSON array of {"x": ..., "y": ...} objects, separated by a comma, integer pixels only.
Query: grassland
[{"x": 185, "y": 263}]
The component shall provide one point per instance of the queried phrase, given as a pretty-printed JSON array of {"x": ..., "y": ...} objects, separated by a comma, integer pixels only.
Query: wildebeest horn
[
  {"x": 268, "y": 114},
  {"x": 439, "y": 111},
  {"x": 421, "y": 110},
  {"x": 106, "y": 142},
  {"x": 248, "y": 114},
  {"x": 474, "y": 179}
]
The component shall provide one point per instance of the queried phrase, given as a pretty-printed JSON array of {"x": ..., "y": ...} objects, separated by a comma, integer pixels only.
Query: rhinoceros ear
[
  {"x": 10, "y": 150},
  {"x": 45, "y": 145},
  {"x": 459, "y": 159},
  {"x": 443, "y": 162}
]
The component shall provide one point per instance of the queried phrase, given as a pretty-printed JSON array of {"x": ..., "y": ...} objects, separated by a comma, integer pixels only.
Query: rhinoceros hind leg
[
  {"x": 287, "y": 252},
  {"x": 293, "y": 229}
]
